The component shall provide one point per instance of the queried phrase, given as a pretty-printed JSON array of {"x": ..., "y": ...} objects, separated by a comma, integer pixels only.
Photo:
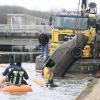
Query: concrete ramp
[{"x": 67, "y": 53}]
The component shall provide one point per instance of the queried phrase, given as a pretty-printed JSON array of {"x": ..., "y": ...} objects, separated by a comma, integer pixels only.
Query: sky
[{"x": 46, "y": 5}]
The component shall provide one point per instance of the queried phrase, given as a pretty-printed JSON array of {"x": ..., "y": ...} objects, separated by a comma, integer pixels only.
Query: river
[{"x": 68, "y": 88}]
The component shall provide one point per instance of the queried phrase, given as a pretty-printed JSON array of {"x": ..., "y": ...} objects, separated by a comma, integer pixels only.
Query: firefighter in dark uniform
[
  {"x": 8, "y": 69},
  {"x": 18, "y": 75}
]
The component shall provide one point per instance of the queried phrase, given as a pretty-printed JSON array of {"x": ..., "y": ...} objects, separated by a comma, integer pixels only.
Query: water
[{"x": 68, "y": 88}]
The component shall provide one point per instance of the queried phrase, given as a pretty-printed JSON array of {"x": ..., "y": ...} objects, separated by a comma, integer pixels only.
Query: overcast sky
[{"x": 45, "y": 5}]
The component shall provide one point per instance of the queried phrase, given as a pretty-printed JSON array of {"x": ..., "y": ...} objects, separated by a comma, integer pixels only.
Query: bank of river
[{"x": 92, "y": 92}]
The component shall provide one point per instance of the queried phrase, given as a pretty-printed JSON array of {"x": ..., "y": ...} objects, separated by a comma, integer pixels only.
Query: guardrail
[
  {"x": 7, "y": 28},
  {"x": 20, "y": 53},
  {"x": 25, "y": 56}
]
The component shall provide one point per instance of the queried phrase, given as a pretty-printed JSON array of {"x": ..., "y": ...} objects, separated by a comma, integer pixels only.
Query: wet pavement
[{"x": 68, "y": 88}]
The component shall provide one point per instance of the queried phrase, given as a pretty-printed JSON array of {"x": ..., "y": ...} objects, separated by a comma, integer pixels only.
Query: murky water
[{"x": 68, "y": 88}]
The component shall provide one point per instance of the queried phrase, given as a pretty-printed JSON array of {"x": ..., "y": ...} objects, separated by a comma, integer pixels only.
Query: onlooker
[{"x": 43, "y": 40}]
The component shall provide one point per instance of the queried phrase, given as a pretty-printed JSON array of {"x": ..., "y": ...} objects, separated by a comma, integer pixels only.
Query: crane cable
[{"x": 77, "y": 21}]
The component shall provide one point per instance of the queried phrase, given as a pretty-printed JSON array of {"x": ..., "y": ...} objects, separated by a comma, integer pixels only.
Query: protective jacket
[
  {"x": 47, "y": 73},
  {"x": 17, "y": 76},
  {"x": 8, "y": 69}
]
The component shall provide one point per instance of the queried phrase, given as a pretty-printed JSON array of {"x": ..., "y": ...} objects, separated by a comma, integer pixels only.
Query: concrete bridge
[
  {"x": 24, "y": 36},
  {"x": 8, "y": 28}
]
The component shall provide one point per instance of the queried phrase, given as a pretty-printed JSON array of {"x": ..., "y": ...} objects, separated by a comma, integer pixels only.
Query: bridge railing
[{"x": 7, "y": 28}]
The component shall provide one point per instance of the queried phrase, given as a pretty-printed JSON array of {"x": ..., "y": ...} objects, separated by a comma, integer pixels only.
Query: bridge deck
[{"x": 23, "y": 53}]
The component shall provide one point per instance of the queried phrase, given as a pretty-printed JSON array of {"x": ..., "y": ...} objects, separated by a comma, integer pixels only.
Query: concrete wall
[
  {"x": 24, "y": 58},
  {"x": 29, "y": 43}
]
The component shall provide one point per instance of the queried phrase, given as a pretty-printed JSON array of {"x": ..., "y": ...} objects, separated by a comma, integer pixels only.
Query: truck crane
[
  {"x": 68, "y": 23},
  {"x": 71, "y": 51}
]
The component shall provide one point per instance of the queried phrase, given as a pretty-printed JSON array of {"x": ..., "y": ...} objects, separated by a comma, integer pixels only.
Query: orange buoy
[{"x": 12, "y": 88}]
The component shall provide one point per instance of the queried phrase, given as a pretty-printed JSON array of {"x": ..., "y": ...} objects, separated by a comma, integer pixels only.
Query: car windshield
[{"x": 70, "y": 22}]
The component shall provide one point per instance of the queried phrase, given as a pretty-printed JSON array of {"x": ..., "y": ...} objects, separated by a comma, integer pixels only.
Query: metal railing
[{"x": 7, "y": 28}]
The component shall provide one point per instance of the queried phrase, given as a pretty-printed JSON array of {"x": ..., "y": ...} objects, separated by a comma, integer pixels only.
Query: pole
[
  {"x": 12, "y": 46},
  {"x": 78, "y": 6},
  {"x": 13, "y": 50},
  {"x": 11, "y": 25}
]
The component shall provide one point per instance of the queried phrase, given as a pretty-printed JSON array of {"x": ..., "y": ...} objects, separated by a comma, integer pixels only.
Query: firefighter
[
  {"x": 48, "y": 73},
  {"x": 18, "y": 75},
  {"x": 8, "y": 69}
]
